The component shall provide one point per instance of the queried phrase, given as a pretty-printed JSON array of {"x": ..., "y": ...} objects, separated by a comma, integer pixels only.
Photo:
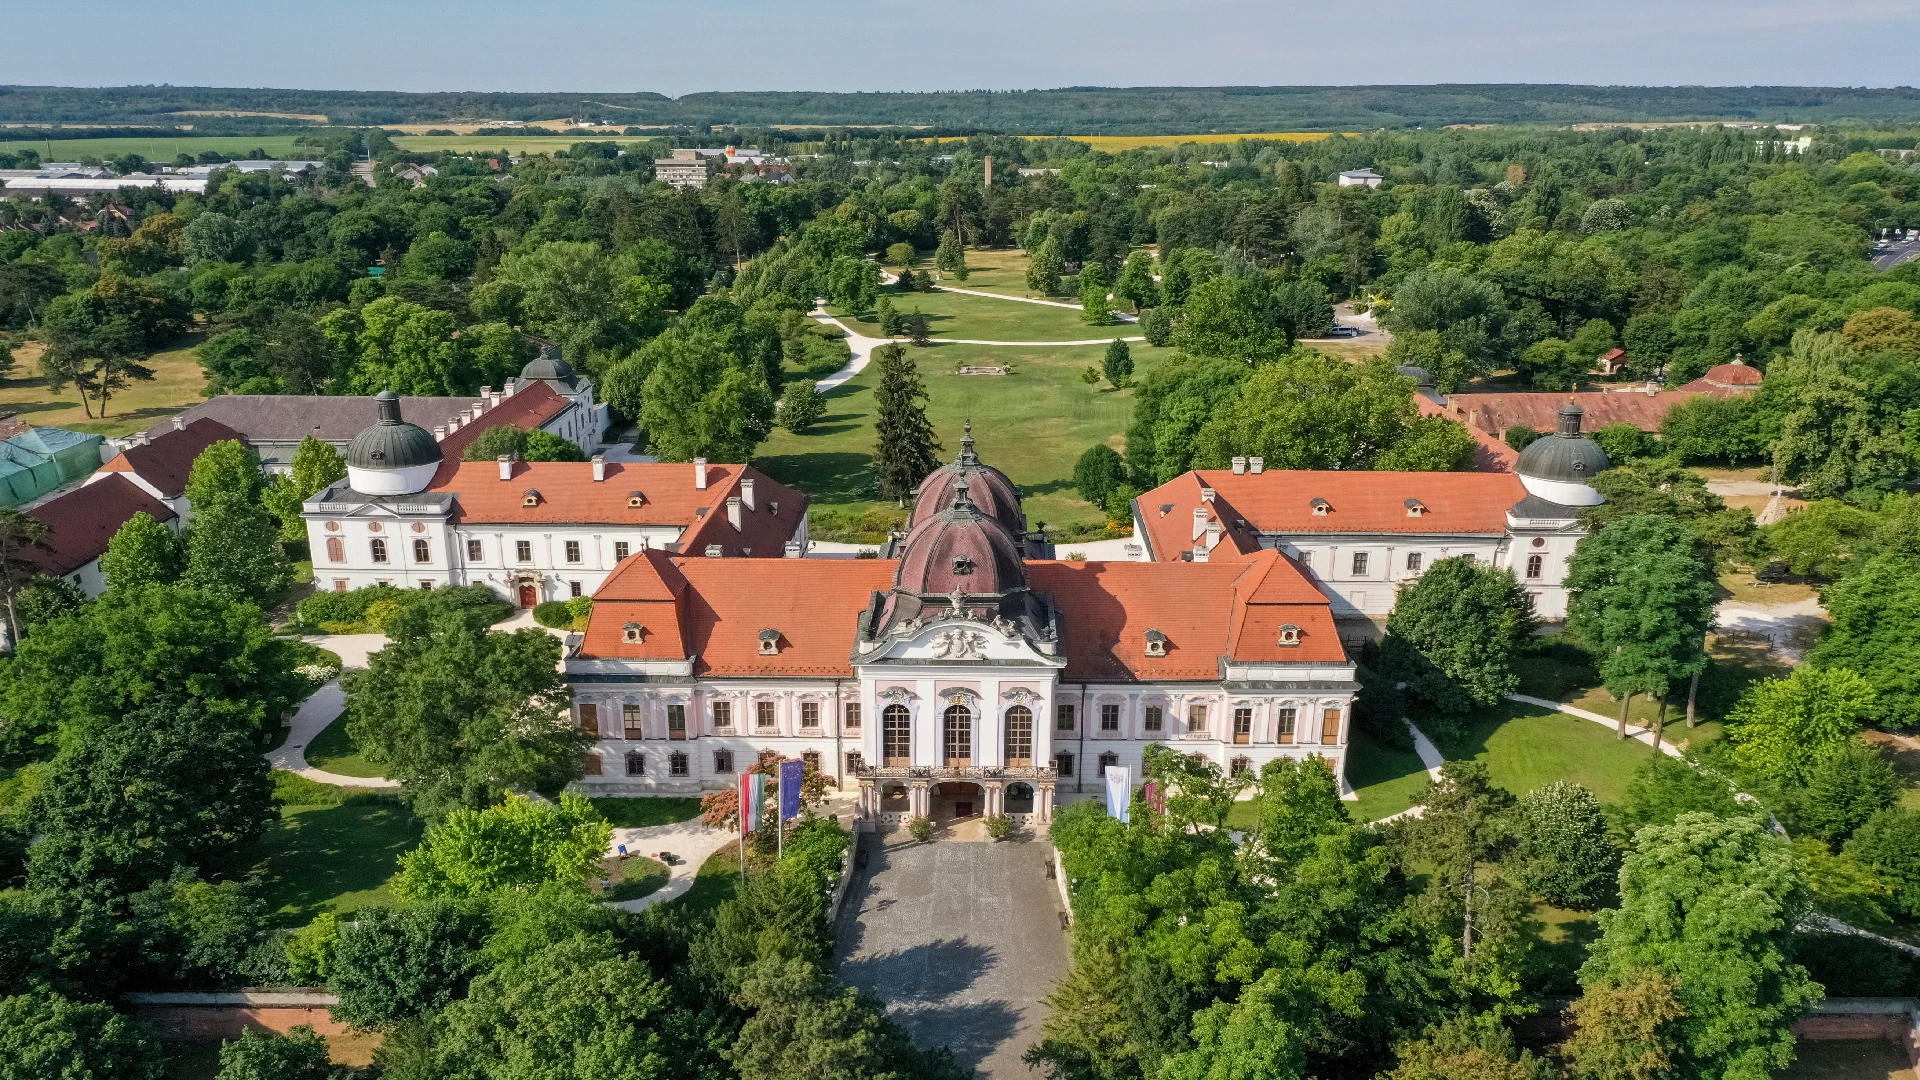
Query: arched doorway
[
  {"x": 1019, "y": 737},
  {"x": 894, "y": 799},
  {"x": 896, "y": 736},
  {"x": 956, "y": 736},
  {"x": 1019, "y": 799},
  {"x": 957, "y": 800}
]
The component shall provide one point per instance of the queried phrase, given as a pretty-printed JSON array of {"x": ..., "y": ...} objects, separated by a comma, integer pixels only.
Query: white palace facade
[{"x": 958, "y": 677}]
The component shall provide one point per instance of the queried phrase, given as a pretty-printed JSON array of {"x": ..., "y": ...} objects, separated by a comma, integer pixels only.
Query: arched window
[
  {"x": 336, "y": 549},
  {"x": 1534, "y": 565},
  {"x": 896, "y": 736},
  {"x": 956, "y": 735},
  {"x": 1241, "y": 766},
  {"x": 379, "y": 549},
  {"x": 422, "y": 551},
  {"x": 1020, "y": 736}
]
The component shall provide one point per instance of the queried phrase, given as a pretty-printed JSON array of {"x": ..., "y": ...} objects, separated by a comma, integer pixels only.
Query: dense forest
[{"x": 1084, "y": 110}]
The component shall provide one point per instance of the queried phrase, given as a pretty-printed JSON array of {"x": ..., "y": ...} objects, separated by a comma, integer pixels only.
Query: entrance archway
[
  {"x": 894, "y": 799},
  {"x": 1019, "y": 799},
  {"x": 957, "y": 800}
]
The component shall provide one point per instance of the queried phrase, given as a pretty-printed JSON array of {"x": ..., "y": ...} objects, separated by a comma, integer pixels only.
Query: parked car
[{"x": 1344, "y": 331}]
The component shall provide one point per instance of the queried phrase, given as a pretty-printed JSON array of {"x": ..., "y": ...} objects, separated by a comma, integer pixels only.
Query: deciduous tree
[
  {"x": 1642, "y": 600},
  {"x": 142, "y": 552},
  {"x": 45, "y": 1035},
  {"x": 517, "y": 844},
  {"x": 1565, "y": 855},
  {"x": 1453, "y": 635},
  {"x": 1782, "y": 728},
  {"x": 316, "y": 464}
]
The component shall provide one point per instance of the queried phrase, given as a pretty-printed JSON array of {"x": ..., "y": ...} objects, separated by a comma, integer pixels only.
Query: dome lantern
[
  {"x": 391, "y": 457},
  {"x": 1560, "y": 467}
]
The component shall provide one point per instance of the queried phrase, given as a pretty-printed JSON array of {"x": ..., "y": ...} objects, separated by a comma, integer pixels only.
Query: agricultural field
[
  {"x": 512, "y": 144},
  {"x": 159, "y": 149},
  {"x": 1114, "y": 144},
  {"x": 1032, "y": 423},
  {"x": 177, "y": 382}
]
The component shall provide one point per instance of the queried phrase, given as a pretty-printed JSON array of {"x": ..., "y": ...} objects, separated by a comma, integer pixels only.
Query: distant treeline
[{"x": 1072, "y": 110}]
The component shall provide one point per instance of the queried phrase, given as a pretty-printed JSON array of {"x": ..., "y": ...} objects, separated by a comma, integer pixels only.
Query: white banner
[{"x": 1119, "y": 791}]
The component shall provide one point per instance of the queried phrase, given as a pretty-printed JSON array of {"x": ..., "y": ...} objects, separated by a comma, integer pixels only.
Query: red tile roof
[
  {"x": 1495, "y": 413},
  {"x": 715, "y": 609},
  {"x": 1490, "y": 454},
  {"x": 166, "y": 460},
  {"x": 80, "y": 523},
  {"x": 1281, "y": 501},
  {"x": 527, "y": 409},
  {"x": 1723, "y": 380},
  {"x": 568, "y": 494}
]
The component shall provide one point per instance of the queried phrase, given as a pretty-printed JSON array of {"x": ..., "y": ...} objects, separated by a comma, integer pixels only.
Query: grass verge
[
  {"x": 334, "y": 751},
  {"x": 644, "y": 811},
  {"x": 958, "y": 315},
  {"x": 634, "y": 877}
]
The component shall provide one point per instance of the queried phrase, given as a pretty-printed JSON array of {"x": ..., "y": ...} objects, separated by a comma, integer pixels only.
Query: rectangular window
[
  {"x": 590, "y": 764},
  {"x": 1109, "y": 718},
  {"x": 810, "y": 759},
  {"x": 523, "y": 550},
  {"x": 1283, "y": 725},
  {"x": 1330, "y": 727},
  {"x": 630, "y": 720},
  {"x": 339, "y": 584},
  {"x": 573, "y": 551},
  {"x": 427, "y": 586},
  {"x": 810, "y": 714},
  {"x": 422, "y": 551},
  {"x": 473, "y": 551},
  {"x": 620, "y": 550},
  {"x": 1413, "y": 562},
  {"x": 855, "y": 761},
  {"x": 852, "y": 720},
  {"x": 636, "y": 763},
  {"x": 590, "y": 720},
  {"x": 1359, "y": 564},
  {"x": 763, "y": 714},
  {"x": 1153, "y": 722},
  {"x": 723, "y": 715},
  {"x": 1063, "y": 764},
  {"x": 379, "y": 549},
  {"x": 676, "y": 721},
  {"x": 1063, "y": 716},
  {"x": 1243, "y": 726},
  {"x": 723, "y": 761},
  {"x": 573, "y": 588},
  {"x": 1196, "y": 718},
  {"x": 677, "y": 765}
]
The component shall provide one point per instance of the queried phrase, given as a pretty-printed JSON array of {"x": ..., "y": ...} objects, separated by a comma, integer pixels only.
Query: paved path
[
  {"x": 1430, "y": 757},
  {"x": 1790, "y": 627},
  {"x": 691, "y": 843},
  {"x": 1121, "y": 315},
  {"x": 860, "y": 345},
  {"x": 319, "y": 710},
  {"x": 1644, "y": 736},
  {"x": 962, "y": 941},
  {"x": 1030, "y": 344}
]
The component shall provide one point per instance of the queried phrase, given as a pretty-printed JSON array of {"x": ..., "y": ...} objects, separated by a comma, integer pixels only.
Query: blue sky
[{"x": 691, "y": 45}]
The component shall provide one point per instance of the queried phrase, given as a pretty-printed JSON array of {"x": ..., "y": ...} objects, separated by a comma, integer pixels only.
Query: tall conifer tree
[{"x": 904, "y": 448}]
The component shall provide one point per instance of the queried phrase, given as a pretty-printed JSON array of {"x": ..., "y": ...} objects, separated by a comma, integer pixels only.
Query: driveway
[{"x": 961, "y": 940}]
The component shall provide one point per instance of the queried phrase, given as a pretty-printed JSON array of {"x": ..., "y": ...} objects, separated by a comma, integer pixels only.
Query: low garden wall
[{"x": 194, "y": 1017}]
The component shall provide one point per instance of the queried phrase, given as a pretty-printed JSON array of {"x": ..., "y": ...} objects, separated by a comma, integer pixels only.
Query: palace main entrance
[{"x": 956, "y": 800}]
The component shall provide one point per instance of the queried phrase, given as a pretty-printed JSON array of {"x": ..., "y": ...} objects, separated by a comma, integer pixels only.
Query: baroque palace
[{"x": 957, "y": 676}]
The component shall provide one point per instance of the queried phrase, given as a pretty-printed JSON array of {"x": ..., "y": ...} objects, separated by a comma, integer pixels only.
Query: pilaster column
[
  {"x": 869, "y": 800},
  {"x": 996, "y": 798}
]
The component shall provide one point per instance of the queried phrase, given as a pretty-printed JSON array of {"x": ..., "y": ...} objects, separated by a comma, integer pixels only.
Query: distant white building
[{"x": 1358, "y": 177}]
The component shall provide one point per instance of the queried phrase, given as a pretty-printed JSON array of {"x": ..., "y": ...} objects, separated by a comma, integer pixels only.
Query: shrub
[
  {"x": 999, "y": 827},
  {"x": 298, "y": 1055},
  {"x": 1565, "y": 855},
  {"x": 1157, "y": 327},
  {"x": 1097, "y": 473},
  {"x": 554, "y": 614},
  {"x": 581, "y": 608},
  {"x": 1663, "y": 789},
  {"x": 1847, "y": 788},
  {"x": 1519, "y": 436},
  {"x": 801, "y": 407},
  {"x": 381, "y": 613},
  {"x": 1889, "y": 845},
  {"x": 920, "y": 828}
]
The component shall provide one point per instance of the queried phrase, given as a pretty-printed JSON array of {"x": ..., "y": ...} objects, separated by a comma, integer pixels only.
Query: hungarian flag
[{"x": 753, "y": 797}]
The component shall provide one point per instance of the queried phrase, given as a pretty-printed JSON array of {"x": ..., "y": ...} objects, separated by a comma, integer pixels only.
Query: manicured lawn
[
  {"x": 333, "y": 751},
  {"x": 1002, "y": 270},
  {"x": 717, "y": 882},
  {"x": 1525, "y": 747},
  {"x": 1032, "y": 423},
  {"x": 1387, "y": 779},
  {"x": 639, "y": 813},
  {"x": 634, "y": 877},
  {"x": 1564, "y": 675},
  {"x": 957, "y": 315},
  {"x": 176, "y": 384},
  {"x": 334, "y": 850}
]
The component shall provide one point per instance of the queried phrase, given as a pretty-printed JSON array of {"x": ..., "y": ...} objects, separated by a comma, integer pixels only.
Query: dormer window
[
  {"x": 1289, "y": 634},
  {"x": 713, "y": 551},
  {"x": 962, "y": 565},
  {"x": 773, "y": 508},
  {"x": 633, "y": 633},
  {"x": 1165, "y": 509},
  {"x": 530, "y": 497},
  {"x": 1321, "y": 507},
  {"x": 1415, "y": 507},
  {"x": 769, "y": 642},
  {"x": 635, "y": 500},
  {"x": 1156, "y": 643}
]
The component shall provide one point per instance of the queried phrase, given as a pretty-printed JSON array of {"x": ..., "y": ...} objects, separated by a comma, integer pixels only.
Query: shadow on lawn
[
  {"x": 827, "y": 477},
  {"x": 316, "y": 855}
]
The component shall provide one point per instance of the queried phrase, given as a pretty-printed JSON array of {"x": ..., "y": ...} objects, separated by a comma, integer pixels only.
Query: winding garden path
[{"x": 322, "y": 707}]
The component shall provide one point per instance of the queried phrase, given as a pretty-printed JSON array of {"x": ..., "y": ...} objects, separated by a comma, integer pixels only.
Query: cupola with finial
[
  {"x": 391, "y": 457},
  {"x": 1560, "y": 467}
]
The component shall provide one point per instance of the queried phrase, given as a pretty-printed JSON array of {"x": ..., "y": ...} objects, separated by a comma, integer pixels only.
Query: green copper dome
[
  {"x": 549, "y": 366},
  {"x": 392, "y": 443},
  {"x": 1566, "y": 455}
]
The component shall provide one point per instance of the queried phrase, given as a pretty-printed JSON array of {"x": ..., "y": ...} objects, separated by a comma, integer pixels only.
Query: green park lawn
[
  {"x": 957, "y": 315},
  {"x": 333, "y": 849},
  {"x": 177, "y": 381},
  {"x": 641, "y": 812},
  {"x": 1002, "y": 270},
  {"x": 1032, "y": 423},
  {"x": 634, "y": 877},
  {"x": 333, "y": 751},
  {"x": 716, "y": 882}
]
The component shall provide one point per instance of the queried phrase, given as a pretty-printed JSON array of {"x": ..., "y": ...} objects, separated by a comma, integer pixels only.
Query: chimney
[
  {"x": 1199, "y": 553},
  {"x": 599, "y": 468},
  {"x": 1256, "y": 466},
  {"x": 506, "y": 466},
  {"x": 139, "y": 438},
  {"x": 699, "y": 474},
  {"x": 989, "y": 170},
  {"x": 507, "y": 391},
  {"x": 1213, "y": 535},
  {"x": 1239, "y": 466},
  {"x": 179, "y": 423},
  {"x": 481, "y": 405},
  {"x": 1206, "y": 494},
  {"x": 733, "y": 512},
  {"x": 1199, "y": 521},
  {"x": 746, "y": 492},
  {"x": 793, "y": 549},
  {"x": 439, "y": 433}
]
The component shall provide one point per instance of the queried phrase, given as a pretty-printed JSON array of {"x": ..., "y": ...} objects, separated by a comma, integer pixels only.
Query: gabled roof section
[
  {"x": 646, "y": 590},
  {"x": 81, "y": 522},
  {"x": 166, "y": 460},
  {"x": 528, "y": 410},
  {"x": 1272, "y": 593},
  {"x": 765, "y": 527}
]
